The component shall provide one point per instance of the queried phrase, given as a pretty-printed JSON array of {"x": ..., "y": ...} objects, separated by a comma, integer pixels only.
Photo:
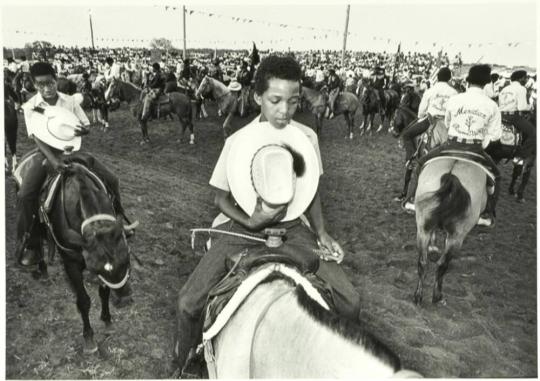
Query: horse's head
[
  {"x": 106, "y": 252},
  {"x": 204, "y": 87}
]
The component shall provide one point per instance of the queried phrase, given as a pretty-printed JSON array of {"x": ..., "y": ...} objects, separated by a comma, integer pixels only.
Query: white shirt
[
  {"x": 513, "y": 98},
  {"x": 472, "y": 115},
  {"x": 434, "y": 100},
  {"x": 219, "y": 176},
  {"x": 491, "y": 90},
  {"x": 64, "y": 100},
  {"x": 319, "y": 75},
  {"x": 113, "y": 72},
  {"x": 24, "y": 66}
]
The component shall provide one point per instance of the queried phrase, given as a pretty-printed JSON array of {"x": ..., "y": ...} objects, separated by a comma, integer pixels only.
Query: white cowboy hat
[
  {"x": 56, "y": 126},
  {"x": 234, "y": 86},
  {"x": 261, "y": 162}
]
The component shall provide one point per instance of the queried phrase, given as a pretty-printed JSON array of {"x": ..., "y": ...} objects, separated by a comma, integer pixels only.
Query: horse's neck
[
  {"x": 131, "y": 92},
  {"x": 319, "y": 352},
  {"x": 312, "y": 96},
  {"x": 218, "y": 89},
  {"x": 272, "y": 336}
]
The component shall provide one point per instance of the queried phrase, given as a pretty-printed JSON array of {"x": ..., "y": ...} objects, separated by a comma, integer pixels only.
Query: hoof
[
  {"x": 90, "y": 347},
  {"x": 521, "y": 200},
  {"x": 438, "y": 299},
  {"x": 192, "y": 142},
  {"x": 511, "y": 192},
  {"x": 417, "y": 299}
]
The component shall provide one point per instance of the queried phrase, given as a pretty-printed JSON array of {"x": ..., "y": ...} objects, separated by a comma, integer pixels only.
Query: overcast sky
[{"x": 486, "y": 31}]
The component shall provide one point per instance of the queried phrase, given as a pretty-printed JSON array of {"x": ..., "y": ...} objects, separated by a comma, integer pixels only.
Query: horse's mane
[{"x": 347, "y": 329}]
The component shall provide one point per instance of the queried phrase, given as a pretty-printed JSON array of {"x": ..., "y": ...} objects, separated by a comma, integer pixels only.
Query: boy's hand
[
  {"x": 261, "y": 218},
  {"x": 335, "y": 252}
]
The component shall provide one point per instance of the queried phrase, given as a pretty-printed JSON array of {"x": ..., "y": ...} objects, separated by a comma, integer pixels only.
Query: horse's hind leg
[
  {"x": 452, "y": 245},
  {"x": 422, "y": 242},
  {"x": 75, "y": 276},
  {"x": 516, "y": 172},
  {"x": 526, "y": 174}
]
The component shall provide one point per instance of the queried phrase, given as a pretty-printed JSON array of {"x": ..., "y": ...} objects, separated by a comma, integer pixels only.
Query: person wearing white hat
[
  {"x": 54, "y": 121},
  {"x": 267, "y": 175}
]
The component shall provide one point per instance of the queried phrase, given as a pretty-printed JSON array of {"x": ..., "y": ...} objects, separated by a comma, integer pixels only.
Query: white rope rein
[{"x": 200, "y": 230}]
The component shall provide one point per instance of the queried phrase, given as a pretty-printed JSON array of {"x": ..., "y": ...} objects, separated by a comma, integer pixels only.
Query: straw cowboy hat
[
  {"x": 278, "y": 165},
  {"x": 234, "y": 85},
  {"x": 57, "y": 127}
]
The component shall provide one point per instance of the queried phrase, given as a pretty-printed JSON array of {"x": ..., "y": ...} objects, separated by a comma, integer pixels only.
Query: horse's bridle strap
[{"x": 97, "y": 217}]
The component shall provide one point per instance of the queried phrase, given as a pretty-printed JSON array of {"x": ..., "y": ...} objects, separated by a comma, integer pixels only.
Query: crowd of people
[{"x": 67, "y": 60}]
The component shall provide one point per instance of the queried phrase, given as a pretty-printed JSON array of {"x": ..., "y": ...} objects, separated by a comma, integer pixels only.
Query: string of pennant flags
[
  {"x": 511, "y": 44},
  {"x": 318, "y": 34}
]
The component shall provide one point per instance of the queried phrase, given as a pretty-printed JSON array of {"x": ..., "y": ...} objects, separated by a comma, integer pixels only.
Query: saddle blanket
[
  {"x": 464, "y": 156},
  {"x": 510, "y": 135},
  {"x": 216, "y": 321}
]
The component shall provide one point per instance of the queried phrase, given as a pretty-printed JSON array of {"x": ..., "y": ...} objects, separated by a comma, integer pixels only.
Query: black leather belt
[{"x": 464, "y": 141}]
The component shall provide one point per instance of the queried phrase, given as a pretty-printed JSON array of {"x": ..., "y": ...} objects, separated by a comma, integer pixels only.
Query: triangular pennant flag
[{"x": 191, "y": 12}]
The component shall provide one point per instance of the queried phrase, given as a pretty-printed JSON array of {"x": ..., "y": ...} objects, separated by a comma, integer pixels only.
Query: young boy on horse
[
  {"x": 474, "y": 122},
  {"x": 277, "y": 91},
  {"x": 28, "y": 239}
]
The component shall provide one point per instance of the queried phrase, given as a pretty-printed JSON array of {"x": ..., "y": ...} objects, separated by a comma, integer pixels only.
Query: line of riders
[{"x": 471, "y": 122}]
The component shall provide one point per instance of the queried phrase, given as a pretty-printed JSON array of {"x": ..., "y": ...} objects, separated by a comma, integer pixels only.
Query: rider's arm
[
  {"x": 494, "y": 127},
  {"x": 80, "y": 114},
  {"x": 315, "y": 216},
  {"x": 424, "y": 103},
  {"x": 47, "y": 152},
  {"x": 522, "y": 104}
]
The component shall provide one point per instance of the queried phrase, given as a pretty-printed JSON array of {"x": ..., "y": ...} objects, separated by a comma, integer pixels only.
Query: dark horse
[
  {"x": 88, "y": 235},
  {"x": 10, "y": 126},
  {"x": 372, "y": 104},
  {"x": 346, "y": 104},
  {"x": 177, "y": 103}
]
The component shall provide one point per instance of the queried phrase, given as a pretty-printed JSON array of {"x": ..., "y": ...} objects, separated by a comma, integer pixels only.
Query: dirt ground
[{"x": 487, "y": 328}]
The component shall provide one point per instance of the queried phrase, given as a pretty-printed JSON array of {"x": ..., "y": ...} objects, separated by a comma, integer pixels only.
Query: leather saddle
[
  {"x": 511, "y": 136},
  {"x": 257, "y": 264},
  {"x": 469, "y": 157}
]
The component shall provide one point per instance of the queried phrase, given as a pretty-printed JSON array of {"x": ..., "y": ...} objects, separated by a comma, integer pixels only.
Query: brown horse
[
  {"x": 177, "y": 103},
  {"x": 372, "y": 105},
  {"x": 346, "y": 104}
]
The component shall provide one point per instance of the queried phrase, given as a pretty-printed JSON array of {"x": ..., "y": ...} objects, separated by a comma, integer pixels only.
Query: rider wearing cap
[
  {"x": 277, "y": 91},
  {"x": 44, "y": 78},
  {"x": 513, "y": 105},
  {"x": 474, "y": 122}
]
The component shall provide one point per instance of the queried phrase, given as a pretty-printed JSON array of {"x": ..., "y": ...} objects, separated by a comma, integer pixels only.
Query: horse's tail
[{"x": 453, "y": 202}]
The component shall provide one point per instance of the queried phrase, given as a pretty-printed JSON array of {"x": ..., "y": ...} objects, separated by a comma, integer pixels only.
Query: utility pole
[
  {"x": 184, "y": 55},
  {"x": 345, "y": 36},
  {"x": 91, "y": 28}
]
